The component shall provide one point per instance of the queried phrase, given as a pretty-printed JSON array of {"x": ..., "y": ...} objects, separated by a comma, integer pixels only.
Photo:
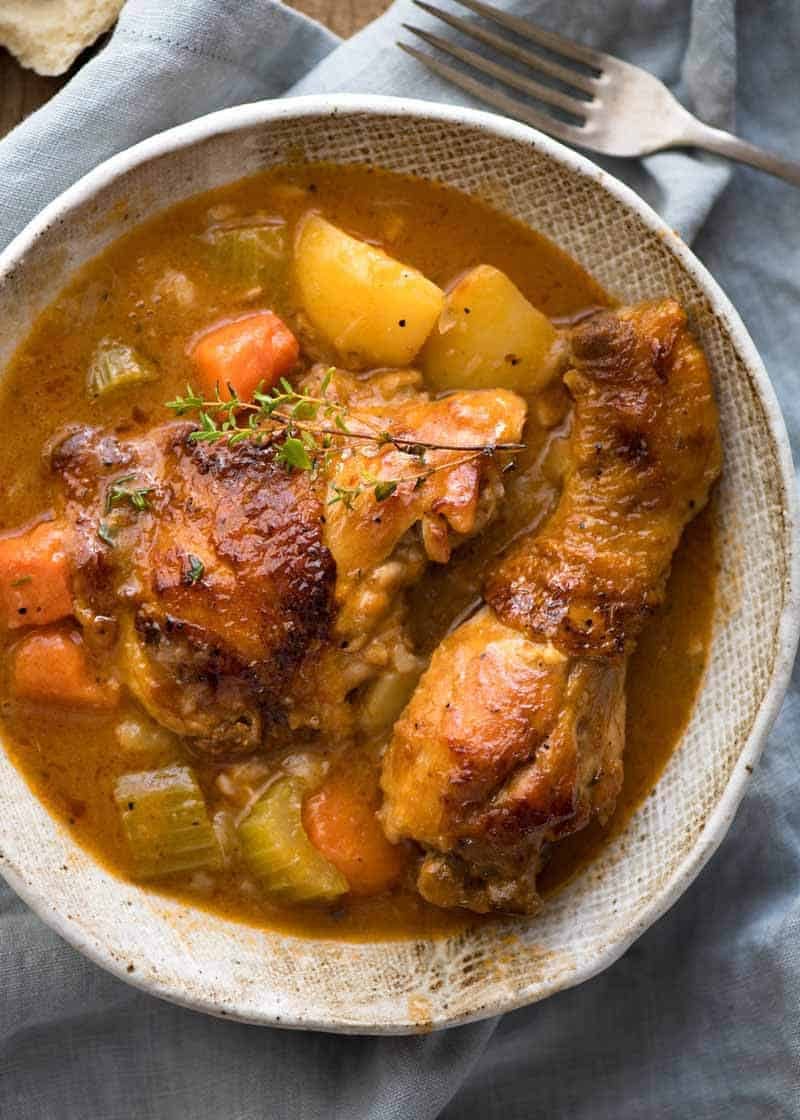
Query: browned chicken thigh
[
  {"x": 219, "y": 586},
  {"x": 515, "y": 734}
]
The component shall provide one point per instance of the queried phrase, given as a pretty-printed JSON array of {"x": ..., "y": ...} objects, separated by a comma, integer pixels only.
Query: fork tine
[
  {"x": 564, "y": 74},
  {"x": 549, "y": 39},
  {"x": 507, "y": 105},
  {"x": 509, "y": 77}
]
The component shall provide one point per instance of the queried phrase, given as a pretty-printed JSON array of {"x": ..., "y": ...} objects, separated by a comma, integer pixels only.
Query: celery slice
[
  {"x": 165, "y": 822},
  {"x": 250, "y": 254},
  {"x": 280, "y": 855},
  {"x": 117, "y": 366}
]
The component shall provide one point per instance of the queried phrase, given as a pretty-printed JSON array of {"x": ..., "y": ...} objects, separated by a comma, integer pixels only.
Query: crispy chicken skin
[
  {"x": 507, "y": 743},
  {"x": 241, "y": 604},
  {"x": 220, "y": 586},
  {"x": 645, "y": 451},
  {"x": 515, "y": 734}
]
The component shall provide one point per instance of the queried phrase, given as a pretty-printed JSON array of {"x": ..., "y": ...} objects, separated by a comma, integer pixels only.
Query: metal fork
[{"x": 606, "y": 105}]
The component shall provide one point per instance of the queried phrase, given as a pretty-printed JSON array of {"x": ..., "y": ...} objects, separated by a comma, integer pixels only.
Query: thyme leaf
[
  {"x": 293, "y": 453},
  {"x": 384, "y": 490},
  {"x": 344, "y": 494},
  {"x": 196, "y": 569},
  {"x": 118, "y": 493},
  {"x": 181, "y": 405}
]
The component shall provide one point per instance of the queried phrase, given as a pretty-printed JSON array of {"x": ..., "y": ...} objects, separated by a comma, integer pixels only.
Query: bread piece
[{"x": 48, "y": 35}]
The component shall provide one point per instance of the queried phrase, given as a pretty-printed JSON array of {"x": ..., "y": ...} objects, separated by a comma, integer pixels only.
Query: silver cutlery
[{"x": 601, "y": 103}]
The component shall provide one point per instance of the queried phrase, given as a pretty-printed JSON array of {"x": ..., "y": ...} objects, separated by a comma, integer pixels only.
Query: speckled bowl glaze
[{"x": 258, "y": 976}]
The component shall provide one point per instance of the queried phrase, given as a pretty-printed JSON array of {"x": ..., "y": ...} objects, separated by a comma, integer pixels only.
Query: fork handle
[{"x": 700, "y": 135}]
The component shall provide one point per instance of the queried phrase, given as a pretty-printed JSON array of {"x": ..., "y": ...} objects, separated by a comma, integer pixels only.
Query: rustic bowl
[{"x": 224, "y": 968}]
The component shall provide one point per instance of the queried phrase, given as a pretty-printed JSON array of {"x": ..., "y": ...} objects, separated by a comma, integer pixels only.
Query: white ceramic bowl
[{"x": 224, "y": 968}]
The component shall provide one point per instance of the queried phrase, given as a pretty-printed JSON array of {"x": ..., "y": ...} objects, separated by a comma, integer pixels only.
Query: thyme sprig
[
  {"x": 383, "y": 488},
  {"x": 307, "y": 426}
]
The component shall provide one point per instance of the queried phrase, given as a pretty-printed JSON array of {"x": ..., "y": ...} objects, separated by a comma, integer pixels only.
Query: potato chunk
[
  {"x": 490, "y": 336},
  {"x": 372, "y": 309}
]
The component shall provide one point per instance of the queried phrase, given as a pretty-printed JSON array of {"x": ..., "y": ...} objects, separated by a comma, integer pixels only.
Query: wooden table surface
[{"x": 22, "y": 91}]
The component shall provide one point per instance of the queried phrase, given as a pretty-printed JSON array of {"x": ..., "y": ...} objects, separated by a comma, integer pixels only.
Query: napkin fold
[{"x": 699, "y": 1018}]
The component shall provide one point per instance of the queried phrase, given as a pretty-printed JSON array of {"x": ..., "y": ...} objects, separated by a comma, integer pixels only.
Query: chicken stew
[{"x": 349, "y": 537}]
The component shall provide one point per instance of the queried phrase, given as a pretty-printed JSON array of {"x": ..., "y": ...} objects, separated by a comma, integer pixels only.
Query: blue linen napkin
[{"x": 700, "y": 1017}]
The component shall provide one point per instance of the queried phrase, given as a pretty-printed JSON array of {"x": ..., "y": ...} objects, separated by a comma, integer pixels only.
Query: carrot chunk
[
  {"x": 341, "y": 822},
  {"x": 257, "y": 347},
  {"x": 51, "y": 666},
  {"x": 34, "y": 577}
]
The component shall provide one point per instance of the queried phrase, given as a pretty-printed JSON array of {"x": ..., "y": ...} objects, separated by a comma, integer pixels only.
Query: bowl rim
[{"x": 242, "y": 117}]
